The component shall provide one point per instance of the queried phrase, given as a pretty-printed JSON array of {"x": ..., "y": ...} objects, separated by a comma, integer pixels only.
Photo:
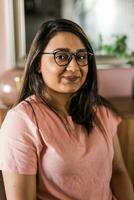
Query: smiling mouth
[{"x": 71, "y": 78}]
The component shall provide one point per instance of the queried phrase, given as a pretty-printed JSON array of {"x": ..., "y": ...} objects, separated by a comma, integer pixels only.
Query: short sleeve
[
  {"x": 17, "y": 149},
  {"x": 109, "y": 120},
  {"x": 113, "y": 120}
]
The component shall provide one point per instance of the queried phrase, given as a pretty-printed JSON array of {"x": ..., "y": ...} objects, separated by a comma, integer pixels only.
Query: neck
[{"x": 59, "y": 101}]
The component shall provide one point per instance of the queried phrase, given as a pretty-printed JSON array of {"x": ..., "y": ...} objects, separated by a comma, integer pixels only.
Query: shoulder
[
  {"x": 107, "y": 113},
  {"x": 108, "y": 118},
  {"x": 20, "y": 115},
  {"x": 25, "y": 108},
  {"x": 20, "y": 124},
  {"x": 26, "y": 105}
]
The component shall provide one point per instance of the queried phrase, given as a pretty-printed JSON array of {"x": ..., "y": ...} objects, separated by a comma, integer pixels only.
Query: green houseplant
[{"x": 117, "y": 49}]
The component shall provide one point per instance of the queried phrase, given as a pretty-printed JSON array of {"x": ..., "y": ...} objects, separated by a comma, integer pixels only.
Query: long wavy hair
[{"x": 82, "y": 102}]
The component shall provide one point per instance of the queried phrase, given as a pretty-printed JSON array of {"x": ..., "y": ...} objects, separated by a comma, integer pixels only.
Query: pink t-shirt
[{"x": 69, "y": 164}]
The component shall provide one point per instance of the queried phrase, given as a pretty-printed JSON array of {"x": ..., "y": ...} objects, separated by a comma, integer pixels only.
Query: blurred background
[{"x": 109, "y": 25}]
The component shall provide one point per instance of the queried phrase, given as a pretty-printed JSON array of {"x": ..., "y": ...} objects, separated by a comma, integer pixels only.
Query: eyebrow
[
  {"x": 61, "y": 49},
  {"x": 69, "y": 50}
]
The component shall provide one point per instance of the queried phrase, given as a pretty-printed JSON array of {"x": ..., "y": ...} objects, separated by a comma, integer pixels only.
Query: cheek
[
  {"x": 49, "y": 67},
  {"x": 46, "y": 67},
  {"x": 47, "y": 73},
  {"x": 50, "y": 74}
]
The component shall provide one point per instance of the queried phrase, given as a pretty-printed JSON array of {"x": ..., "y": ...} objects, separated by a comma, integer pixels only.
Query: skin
[
  {"x": 58, "y": 87},
  {"x": 120, "y": 183},
  {"x": 58, "y": 91}
]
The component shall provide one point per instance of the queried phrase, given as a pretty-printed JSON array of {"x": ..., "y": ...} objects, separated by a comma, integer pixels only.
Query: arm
[
  {"x": 18, "y": 156},
  {"x": 19, "y": 187},
  {"x": 120, "y": 183}
]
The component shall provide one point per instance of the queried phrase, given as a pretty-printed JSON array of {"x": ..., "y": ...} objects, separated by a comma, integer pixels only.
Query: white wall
[
  {"x": 12, "y": 33},
  {"x": 7, "y": 43}
]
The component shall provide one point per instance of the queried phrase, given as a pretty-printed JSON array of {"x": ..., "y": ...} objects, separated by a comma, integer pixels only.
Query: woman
[{"x": 59, "y": 141}]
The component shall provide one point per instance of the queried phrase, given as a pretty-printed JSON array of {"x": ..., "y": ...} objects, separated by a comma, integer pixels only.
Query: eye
[
  {"x": 82, "y": 56},
  {"x": 61, "y": 56}
]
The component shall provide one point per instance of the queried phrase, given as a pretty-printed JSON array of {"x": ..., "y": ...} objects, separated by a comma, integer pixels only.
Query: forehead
[{"x": 65, "y": 40}]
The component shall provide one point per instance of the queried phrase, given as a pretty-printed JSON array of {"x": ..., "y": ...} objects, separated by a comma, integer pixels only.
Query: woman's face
[{"x": 63, "y": 79}]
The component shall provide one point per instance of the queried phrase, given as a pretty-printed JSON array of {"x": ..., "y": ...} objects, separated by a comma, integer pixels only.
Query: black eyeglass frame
[{"x": 71, "y": 57}]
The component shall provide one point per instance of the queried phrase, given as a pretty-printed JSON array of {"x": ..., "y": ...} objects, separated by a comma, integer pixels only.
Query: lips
[{"x": 71, "y": 78}]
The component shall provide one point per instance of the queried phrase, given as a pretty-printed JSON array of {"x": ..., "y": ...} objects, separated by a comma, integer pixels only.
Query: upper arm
[
  {"x": 19, "y": 187},
  {"x": 18, "y": 157},
  {"x": 118, "y": 162},
  {"x": 18, "y": 147}
]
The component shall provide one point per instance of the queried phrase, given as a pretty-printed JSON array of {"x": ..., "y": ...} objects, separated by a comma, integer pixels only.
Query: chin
[{"x": 71, "y": 91}]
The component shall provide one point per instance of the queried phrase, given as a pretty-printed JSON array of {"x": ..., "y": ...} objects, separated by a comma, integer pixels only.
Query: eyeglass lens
[{"x": 63, "y": 58}]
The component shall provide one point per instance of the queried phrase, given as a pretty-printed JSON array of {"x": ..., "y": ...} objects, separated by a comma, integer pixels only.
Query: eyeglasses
[{"x": 64, "y": 57}]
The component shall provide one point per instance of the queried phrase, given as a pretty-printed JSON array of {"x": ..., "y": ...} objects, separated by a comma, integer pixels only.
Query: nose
[{"x": 72, "y": 66}]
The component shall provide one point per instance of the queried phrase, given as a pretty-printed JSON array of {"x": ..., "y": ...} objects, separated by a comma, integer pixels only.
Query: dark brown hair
[{"x": 82, "y": 102}]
